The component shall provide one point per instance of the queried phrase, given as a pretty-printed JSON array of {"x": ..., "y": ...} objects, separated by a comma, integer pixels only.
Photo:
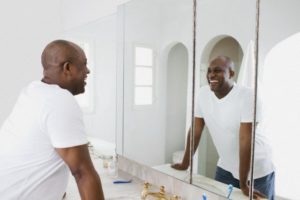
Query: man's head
[
  {"x": 65, "y": 64},
  {"x": 220, "y": 75}
]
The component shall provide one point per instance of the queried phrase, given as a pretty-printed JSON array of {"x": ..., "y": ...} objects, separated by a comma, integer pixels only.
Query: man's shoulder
[
  {"x": 49, "y": 93},
  {"x": 244, "y": 90},
  {"x": 51, "y": 89},
  {"x": 204, "y": 89}
]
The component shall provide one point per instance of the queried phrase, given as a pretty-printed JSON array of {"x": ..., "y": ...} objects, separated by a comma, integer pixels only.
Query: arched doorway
[{"x": 176, "y": 99}]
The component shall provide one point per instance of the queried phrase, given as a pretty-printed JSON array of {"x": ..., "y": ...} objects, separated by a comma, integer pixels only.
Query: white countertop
[
  {"x": 202, "y": 182},
  {"x": 128, "y": 191}
]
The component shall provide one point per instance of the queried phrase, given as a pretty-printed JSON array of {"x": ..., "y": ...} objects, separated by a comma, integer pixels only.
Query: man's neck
[{"x": 224, "y": 92}]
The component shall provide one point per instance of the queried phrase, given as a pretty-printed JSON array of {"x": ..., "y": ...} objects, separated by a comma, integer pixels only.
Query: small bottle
[
  {"x": 106, "y": 161},
  {"x": 113, "y": 167}
]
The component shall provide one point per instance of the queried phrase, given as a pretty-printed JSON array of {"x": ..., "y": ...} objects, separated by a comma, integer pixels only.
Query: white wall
[
  {"x": 279, "y": 75},
  {"x": 101, "y": 35},
  {"x": 77, "y": 12},
  {"x": 235, "y": 18},
  {"x": 152, "y": 23},
  {"x": 279, "y": 20},
  {"x": 141, "y": 127},
  {"x": 26, "y": 27}
]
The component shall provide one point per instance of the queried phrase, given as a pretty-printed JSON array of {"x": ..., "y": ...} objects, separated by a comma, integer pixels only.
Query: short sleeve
[
  {"x": 64, "y": 123},
  {"x": 247, "y": 107}
]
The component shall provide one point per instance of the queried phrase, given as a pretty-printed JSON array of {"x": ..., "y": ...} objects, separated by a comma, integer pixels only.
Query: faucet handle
[
  {"x": 145, "y": 190},
  {"x": 175, "y": 197},
  {"x": 162, "y": 190}
]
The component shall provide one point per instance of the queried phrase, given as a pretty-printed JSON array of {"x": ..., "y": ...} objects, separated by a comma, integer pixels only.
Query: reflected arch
[
  {"x": 221, "y": 45},
  {"x": 176, "y": 61}
]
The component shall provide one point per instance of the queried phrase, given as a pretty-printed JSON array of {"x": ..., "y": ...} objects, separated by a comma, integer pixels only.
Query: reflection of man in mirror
[
  {"x": 43, "y": 139},
  {"x": 227, "y": 110}
]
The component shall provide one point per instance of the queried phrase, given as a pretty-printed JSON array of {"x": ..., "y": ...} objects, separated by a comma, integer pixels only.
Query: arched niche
[
  {"x": 221, "y": 45},
  {"x": 176, "y": 98}
]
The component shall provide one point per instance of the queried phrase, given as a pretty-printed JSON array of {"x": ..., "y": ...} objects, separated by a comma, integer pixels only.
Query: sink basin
[{"x": 210, "y": 184}]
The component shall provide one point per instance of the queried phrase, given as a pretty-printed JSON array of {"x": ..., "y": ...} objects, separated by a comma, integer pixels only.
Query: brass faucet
[{"x": 161, "y": 195}]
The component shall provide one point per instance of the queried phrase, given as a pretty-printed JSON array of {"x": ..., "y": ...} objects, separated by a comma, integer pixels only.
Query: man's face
[
  {"x": 79, "y": 75},
  {"x": 219, "y": 75}
]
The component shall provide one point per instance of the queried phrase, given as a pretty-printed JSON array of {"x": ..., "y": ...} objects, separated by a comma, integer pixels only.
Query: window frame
[{"x": 152, "y": 67}]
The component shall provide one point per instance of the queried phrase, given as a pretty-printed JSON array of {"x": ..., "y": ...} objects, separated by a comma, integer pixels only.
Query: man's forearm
[
  {"x": 245, "y": 153},
  {"x": 196, "y": 140},
  {"x": 244, "y": 165},
  {"x": 89, "y": 186},
  {"x": 186, "y": 157}
]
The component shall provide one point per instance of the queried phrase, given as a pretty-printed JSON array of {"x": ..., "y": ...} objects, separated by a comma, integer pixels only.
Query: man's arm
[
  {"x": 87, "y": 179},
  {"x": 199, "y": 125},
  {"x": 245, "y": 157}
]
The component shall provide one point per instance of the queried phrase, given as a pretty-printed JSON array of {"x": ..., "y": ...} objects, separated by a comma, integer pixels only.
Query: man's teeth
[{"x": 213, "y": 81}]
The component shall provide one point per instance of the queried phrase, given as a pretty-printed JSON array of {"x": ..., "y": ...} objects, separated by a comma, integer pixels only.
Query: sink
[{"x": 210, "y": 184}]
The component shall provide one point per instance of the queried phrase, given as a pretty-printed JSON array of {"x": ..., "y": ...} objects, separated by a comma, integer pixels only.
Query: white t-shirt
[
  {"x": 44, "y": 117},
  {"x": 223, "y": 117}
]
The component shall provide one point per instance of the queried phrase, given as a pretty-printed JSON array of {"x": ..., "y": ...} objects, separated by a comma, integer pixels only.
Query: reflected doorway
[{"x": 176, "y": 99}]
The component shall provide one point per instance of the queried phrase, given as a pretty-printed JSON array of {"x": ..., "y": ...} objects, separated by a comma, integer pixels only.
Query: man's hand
[
  {"x": 199, "y": 125},
  {"x": 256, "y": 194},
  {"x": 180, "y": 166}
]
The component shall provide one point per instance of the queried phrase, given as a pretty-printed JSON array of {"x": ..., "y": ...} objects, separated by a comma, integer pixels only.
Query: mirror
[
  {"x": 152, "y": 129},
  {"x": 224, "y": 28},
  {"x": 279, "y": 68},
  {"x": 156, "y": 78}
]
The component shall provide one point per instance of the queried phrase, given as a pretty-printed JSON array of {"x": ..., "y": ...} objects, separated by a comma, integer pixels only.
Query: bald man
[
  {"x": 44, "y": 136},
  {"x": 227, "y": 110}
]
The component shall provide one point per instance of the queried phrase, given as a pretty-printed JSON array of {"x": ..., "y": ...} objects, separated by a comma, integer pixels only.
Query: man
[
  {"x": 44, "y": 135},
  {"x": 227, "y": 110}
]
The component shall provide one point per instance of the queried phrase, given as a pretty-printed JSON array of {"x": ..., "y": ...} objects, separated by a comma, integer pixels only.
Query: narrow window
[{"x": 143, "y": 81}]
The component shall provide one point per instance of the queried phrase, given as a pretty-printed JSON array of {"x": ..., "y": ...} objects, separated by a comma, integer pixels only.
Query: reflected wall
[
  {"x": 154, "y": 130},
  {"x": 279, "y": 84},
  {"x": 219, "y": 32}
]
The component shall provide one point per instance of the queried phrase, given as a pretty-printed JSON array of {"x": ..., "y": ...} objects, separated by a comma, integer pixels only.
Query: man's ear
[
  {"x": 66, "y": 68},
  {"x": 231, "y": 73}
]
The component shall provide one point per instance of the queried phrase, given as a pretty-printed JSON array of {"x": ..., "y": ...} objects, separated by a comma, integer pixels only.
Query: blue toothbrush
[
  {"x": 230, "y": 188},
  {"x": 122, "y": 181}
]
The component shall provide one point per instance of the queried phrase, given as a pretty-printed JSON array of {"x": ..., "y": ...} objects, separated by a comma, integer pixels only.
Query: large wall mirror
[
  {"x": 156, "y": 78},
  {"x": 224, "y": 28},
  {"x": 157, "y": 81},
  {"x": 157, "y": 54}
]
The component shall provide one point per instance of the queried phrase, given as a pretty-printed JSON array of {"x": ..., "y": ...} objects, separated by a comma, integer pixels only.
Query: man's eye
[{"x": 217, "y": 70}]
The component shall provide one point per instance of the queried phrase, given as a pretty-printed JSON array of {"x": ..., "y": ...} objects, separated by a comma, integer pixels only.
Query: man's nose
[
  {"x": 210, "y": 74},
  {"x": 88, "y": 70}
]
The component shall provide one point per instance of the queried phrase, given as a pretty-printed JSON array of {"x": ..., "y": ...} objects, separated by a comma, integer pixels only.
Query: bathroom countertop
[
  {"x": 128, "y": 191},
  {"x": 202, "y": 182}
]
